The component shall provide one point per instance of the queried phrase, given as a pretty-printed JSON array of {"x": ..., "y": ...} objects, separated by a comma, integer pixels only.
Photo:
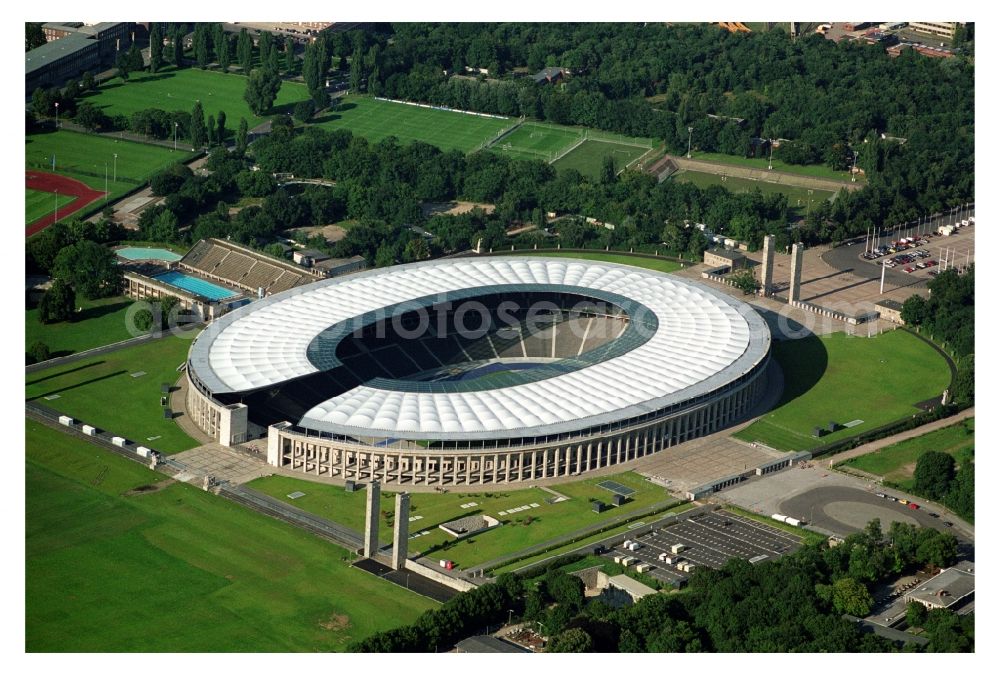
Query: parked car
[
  {"x": 949, "y": 524},
  {"x": 913, "y": 505},
  {"x": 907, "y": 269}
]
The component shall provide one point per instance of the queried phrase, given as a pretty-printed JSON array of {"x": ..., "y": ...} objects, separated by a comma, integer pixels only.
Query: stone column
[
  {"x": 796, "y": 281},
  {"x": 401, "y": 531},
  {"x": 767, "y": 266},
  {"x": 371, "y": 518}
]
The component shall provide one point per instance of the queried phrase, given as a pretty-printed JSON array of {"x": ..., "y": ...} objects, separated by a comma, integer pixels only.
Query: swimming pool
[
  {"x": 135, "y": 253},
  {"x": 195, "y": 285}
]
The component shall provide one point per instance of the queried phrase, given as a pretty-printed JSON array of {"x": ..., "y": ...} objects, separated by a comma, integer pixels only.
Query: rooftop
[
  {"x": 50, "y": 52},
  {"x": 694, "y": 340},
  {"x": 727, "y": 253},
  {"x": 634, "y": 588},
  {"x": 948, "y": 587}
]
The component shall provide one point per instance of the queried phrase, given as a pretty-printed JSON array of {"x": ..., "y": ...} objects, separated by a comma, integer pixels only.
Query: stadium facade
[{"x": 469, "y": 372}]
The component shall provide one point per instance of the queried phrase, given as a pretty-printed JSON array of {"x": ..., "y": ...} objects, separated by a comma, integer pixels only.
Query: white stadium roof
[{"x": 704, "y": 340}]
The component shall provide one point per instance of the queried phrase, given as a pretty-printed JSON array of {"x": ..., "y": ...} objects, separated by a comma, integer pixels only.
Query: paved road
[{"x": 902, "y": 436}]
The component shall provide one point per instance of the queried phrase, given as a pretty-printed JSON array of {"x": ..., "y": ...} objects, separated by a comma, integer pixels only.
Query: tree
[
  {"x": 87, "y": 81},
  {"x": 122, "y": 64},
  {"x": 38, "y": 351},
  {"x": 385, "y": 256},
  {"x": 262, "y": 89},
  {"x": 222, "y": 51},
  {"x": 416, "y": 250},
  {"x": 198, "y": 134},
  {"x": 745, "y": 281},
  {"x": 244, "y": 51},
  {"x": 155, "y": 48},
  {"x": 90, "y": 268},
  {"x": 177, "y": 43},
  {"x": 135, "y": 62},
  {"x": 34, "y": 36},
  {"x": 937, "y": 549},
  {"x": 933, "y": 474},
  {"x": 916, "y": 614},
  {"x": 851, "y": 597},
  {"x": 241, "y": 135},
  {"x": 90, "y": 117},
  {"x": 289, "y": 55},
  {"x": 303, "y": 110},
  {"x": 58, "y": 303},
  {"x": 914, "y": 310},
  {"x": 202, "y": 44},
  {"x": 357, "y": 71},
  {"x": 220, "y": 128},
  {"x": 143, "y": 320},
  {"x": 574, "y": 640},
  {"x": 608, "y": 173},
  {"x": 210, "y": 130}
]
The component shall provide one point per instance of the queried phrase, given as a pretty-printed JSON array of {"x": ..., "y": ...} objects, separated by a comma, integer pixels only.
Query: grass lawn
[
  {"x": 102, "y": 322},
  {"x": 82, "y": 156},
  {"x": 896, "y": 463},
  {"x": 547, "y": 521},
  {"x": 101, "y": 391},
  {"x": 588, "y": 158},
  {"x": 38, "y": 203},
  {"x": 636, "y": 261},
  {"x": 178, "y": 569},
  {"x": 843, "y": 378},
  {"x": 814, "y": 170},
  {"x": 375, "y": 120},
  {"x": 172, "y": 89},
  {"x": 798, "y": 198}
]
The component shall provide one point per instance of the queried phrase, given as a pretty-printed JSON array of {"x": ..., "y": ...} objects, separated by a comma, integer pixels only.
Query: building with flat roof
[
  {"x": 941, "y": 29},
  {"x": 891, "y": 310},
  {"x": 487, "y": 644},
  {"x": 72, "y": 48},
  {"x": 950, "y": 588},
  {"x": 724, "y": 258}
]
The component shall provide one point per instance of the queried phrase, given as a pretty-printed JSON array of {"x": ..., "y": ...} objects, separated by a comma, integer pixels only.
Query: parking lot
[
  {"x": 923, "y": 253},
  {"x": 710, "y": 539}
]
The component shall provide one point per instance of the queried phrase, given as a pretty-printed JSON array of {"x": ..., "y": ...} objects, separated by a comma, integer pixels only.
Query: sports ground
[
  {"x": 799, "y": 199},
  {"x": 119, "y": 392},
  {"x": 171, "y": 568},
  {"x": 376, "y": 119},
  {"x": 571, "y": 147},
  {"x": 171, "y": 89},
  {"x": 39, "y": 203},
  {"x": 41, "y": 184},
  {"x": 520, "y": 529},
  {"x": 84, "y": 158},
  {"x": 843, "y": 379},
  {"x": 896, "y": 463},
  {"x": 815, "y": 170}
]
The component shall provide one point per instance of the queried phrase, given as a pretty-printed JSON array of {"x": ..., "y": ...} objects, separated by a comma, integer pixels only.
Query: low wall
[{"x": 437, "y": 576}]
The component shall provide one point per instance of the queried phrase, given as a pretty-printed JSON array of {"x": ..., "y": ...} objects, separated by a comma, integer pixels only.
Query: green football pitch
[
  {"x": 38, "y": 203},
  {"x": 538, "y": 141},
  {"x": 85, "y": 157},
  {"x": 172, "y": 89},
  {"x": 588, "y": 157},
  {"x": 799, "y": 199},
  {"x": 448, "y": 130},
  {"x": 175, "y": 569},
  {"x": 844, "y": 379},
  {"x": 119, "y": 391}
]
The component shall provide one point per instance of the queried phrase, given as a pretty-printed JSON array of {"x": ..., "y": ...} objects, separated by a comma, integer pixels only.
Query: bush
[
  {"x": 304, "y": 110},
  {"x": 38, "y": 351}
]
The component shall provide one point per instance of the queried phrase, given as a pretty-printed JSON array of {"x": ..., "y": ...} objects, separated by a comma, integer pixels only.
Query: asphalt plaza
[{"x": 710, "y": 540}]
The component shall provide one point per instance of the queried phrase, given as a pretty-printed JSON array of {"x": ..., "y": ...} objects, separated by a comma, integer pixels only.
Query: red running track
[{"x": 46, "y": 182}]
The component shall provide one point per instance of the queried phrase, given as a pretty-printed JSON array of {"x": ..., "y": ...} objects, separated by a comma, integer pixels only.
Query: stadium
[{"x": 478, "y": 371}]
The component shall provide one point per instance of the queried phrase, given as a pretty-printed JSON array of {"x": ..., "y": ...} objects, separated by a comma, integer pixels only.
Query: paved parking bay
[{"x": 710, "y": 539}]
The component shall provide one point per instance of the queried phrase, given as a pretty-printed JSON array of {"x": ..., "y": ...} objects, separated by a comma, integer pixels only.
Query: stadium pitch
[
  {"x": 571, "y": 147},
  {"x": 376, "y": 119}
]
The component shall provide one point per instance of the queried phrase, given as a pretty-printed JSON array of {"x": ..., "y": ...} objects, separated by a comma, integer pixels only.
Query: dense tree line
[
  {"x": 825, "y": 99},
  {"x": 948, "y": 313},
  {"x": 794, "y": 603},
  {"x": 936, "y": 477}
]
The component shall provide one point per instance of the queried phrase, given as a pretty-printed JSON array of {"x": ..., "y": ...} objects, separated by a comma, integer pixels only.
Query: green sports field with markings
[
  {"x": 38, "y": 203},
  {"x": 448, "y": 130}
]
